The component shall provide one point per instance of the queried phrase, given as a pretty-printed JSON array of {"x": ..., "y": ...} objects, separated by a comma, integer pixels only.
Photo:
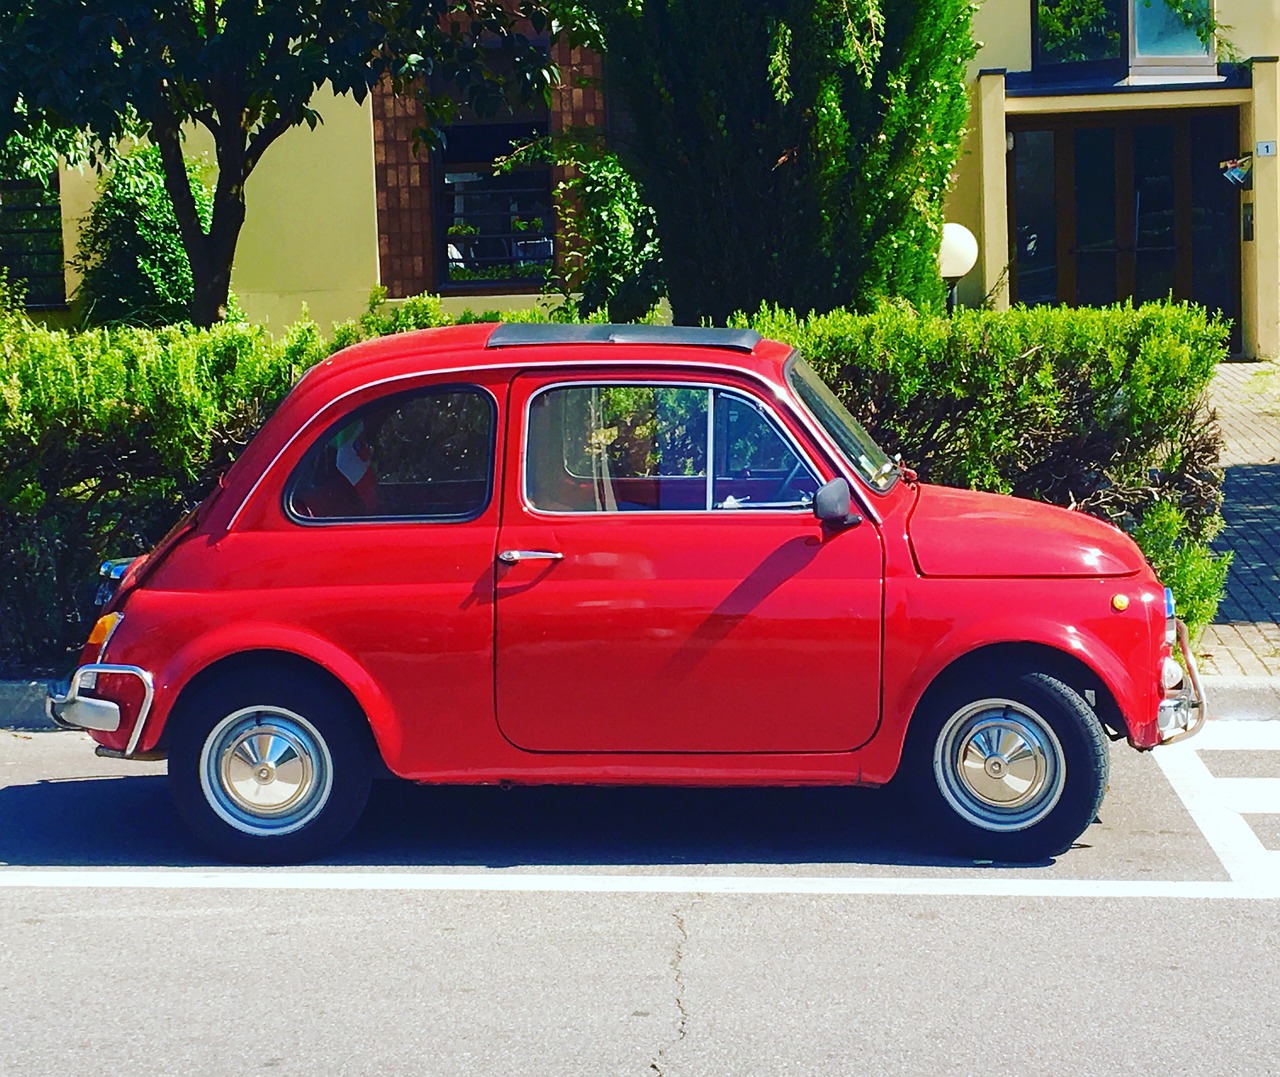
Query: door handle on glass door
[{"x": 514, "y": 557}]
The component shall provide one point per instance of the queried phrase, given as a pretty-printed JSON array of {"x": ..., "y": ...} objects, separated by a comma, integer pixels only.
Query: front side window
[
  {"x": 637, "y": 448},
  {"x": 859, "y": 447},
  {"x": 410, "y": 456}
]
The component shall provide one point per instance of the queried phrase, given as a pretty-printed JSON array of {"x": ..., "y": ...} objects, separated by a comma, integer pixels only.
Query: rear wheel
[
  {"x": 270, "y": 769},
  {"x": 1012, "y": 769}
]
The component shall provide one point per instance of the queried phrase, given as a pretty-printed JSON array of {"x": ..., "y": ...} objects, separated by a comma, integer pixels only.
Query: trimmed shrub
[
  {"x": 107, "y": 435},
  {"x": 1102, "y": 410}
]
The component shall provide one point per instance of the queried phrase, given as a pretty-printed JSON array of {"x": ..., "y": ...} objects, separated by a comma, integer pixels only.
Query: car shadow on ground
[{"x": 130, "y": 821}]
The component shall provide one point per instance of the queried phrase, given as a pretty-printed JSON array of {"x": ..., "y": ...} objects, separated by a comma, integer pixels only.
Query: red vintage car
[{"x": 617, "y": 554}]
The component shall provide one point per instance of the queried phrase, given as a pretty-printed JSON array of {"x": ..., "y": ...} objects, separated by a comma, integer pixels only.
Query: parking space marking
[
  {"x": 1218, "y": 805},
  {"x": 996, "y": 882}
]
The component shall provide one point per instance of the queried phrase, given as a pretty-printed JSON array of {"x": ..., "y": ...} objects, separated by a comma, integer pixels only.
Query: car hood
[{"x": 965, "y": 533}]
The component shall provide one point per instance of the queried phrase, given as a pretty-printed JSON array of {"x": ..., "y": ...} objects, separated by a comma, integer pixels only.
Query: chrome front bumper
[
  {"x": 67, "y": 708},
  {"x": 1182, "y": 714}
]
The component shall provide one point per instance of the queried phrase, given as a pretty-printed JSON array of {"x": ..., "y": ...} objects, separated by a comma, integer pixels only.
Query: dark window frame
[
  {"x": 445, "y": 215},
  {"x": 533, "y": 117},
  {"x": 322, "y": 439},
  {"x": 54, "y": 295}
]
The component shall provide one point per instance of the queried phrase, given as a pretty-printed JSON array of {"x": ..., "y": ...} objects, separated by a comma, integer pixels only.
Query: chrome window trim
[
  {"x": 711, "y": 389},
  {"x": 839, "y": 464}
]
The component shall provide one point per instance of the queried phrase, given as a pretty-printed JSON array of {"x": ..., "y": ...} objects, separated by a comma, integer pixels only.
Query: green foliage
[
  {"x": 106, "y": 435},
  {"x": 795, "y": 151},
  {"x": 1190, "y": 568},
  {"x": 1078, "y": 30},
  {"x": 136, "y": 271},
  {"x": 608, "y": 235},
  {"x": 1100, "y": 410}
]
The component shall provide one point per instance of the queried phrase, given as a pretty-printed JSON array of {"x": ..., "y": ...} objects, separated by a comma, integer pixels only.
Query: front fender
[{"x": 932, "y": 624}]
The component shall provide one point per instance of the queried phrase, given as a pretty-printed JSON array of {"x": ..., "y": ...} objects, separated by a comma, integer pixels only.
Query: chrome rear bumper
[
  {"x": 1184, "y": 711},
  {"x": 67, "y": 708}
]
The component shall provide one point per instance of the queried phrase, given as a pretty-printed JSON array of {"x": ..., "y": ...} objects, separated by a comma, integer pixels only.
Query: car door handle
[{"x": 514, "y": 557}]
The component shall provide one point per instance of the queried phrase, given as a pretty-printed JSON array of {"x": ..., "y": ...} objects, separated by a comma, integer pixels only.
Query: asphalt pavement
[{"x": 643, "y": 931}]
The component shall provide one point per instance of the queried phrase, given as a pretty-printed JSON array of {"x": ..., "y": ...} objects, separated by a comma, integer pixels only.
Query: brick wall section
[
  {"x": 579, "y": 101},
  {"x": 406, "y": 225}
]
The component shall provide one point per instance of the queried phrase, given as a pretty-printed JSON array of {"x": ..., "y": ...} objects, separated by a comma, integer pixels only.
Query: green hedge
[
  {"x": 1102, "y": 410},
  {"x": 106, "y": 435}
]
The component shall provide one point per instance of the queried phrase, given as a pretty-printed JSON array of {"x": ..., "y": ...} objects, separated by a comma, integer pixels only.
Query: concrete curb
[
  {"x": 22, "y": 706},
  {"x": 1236, "y": 698}
]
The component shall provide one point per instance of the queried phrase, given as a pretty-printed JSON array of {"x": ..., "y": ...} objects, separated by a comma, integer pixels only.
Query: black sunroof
[{"x": 513, "y": 335}]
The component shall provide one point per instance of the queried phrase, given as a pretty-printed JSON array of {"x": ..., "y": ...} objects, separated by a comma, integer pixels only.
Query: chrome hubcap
[
  {"x": 999, "y": 765},
  {"x": 266, "y": 770}
]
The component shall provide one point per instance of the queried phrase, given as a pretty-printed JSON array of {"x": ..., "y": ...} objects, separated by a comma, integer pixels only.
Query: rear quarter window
[{"x": 425, "y": 455}]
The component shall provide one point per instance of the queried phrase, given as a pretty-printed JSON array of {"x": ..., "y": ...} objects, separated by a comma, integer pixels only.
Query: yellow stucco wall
[
  {"x": 310, "y": 235},
  {"x": 1253, "y": 26},
  {"x": 311, "y": 230}
]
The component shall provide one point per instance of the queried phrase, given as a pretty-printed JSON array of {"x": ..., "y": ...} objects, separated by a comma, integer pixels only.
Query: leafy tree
[
  {"x": 245, "y": 70},
  {"x": 793, "y": 150}
]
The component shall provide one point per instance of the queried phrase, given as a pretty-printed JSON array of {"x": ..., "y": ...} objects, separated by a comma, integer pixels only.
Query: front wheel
[
  {"x": 269, "y": 774},
  {"x": 1012, "y": 770}
]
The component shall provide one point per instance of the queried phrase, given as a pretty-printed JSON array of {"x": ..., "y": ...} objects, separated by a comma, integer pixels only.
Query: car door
[{"x": 662, "y": 584}]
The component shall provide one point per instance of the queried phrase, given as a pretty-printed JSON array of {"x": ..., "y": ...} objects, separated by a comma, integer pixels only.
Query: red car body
[{"x": 663, "y": 647}]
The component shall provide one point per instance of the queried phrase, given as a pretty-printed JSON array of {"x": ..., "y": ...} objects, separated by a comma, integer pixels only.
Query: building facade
[
  {"x": 1108, "y": 158},
  {"x": 1128, "y": 162}
]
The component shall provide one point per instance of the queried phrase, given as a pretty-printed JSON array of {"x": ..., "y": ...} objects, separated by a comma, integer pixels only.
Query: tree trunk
[
  {"x": 210, "y": 253},
  {"x": 211, "y": 266}
]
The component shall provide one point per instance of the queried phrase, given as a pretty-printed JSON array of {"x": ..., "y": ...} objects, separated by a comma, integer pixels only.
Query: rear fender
[{"x": 245, "y": 639}]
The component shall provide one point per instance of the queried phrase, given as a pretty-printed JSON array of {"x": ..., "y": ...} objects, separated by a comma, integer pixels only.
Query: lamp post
[{"x": 956, "y": 257}]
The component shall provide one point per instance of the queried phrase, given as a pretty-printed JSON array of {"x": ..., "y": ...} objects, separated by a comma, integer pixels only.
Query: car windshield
[{"x": 858, "y": 446}]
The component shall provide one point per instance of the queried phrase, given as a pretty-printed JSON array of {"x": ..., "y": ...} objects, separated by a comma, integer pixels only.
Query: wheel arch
[
  {"x": 264, "y": 662},
  {"x": 1005, "y": 659}
]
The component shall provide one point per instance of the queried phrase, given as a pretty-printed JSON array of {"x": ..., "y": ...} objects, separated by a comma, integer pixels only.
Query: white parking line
[
  {"x": 1218, "y": 804},
  {"x": 993, "y": 883}
]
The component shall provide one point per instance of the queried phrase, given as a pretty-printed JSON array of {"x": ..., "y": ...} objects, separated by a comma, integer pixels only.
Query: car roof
[
  {"x": 464, "y": 349},
  {"x": 493, "y": 344},
  {"x": 518, "y": 334}
]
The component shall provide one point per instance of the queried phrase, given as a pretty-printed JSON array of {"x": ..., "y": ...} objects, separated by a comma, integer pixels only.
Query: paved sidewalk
[{"x": 1245, "y": 639}]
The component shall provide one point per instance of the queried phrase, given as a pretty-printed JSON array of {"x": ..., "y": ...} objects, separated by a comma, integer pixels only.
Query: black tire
[
  {"x": 269, "y": 767},
  {"x": 1011, "y": 768}
]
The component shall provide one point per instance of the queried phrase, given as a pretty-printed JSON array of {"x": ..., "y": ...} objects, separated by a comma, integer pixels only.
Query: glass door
[{"x": 1120, "y": 206}]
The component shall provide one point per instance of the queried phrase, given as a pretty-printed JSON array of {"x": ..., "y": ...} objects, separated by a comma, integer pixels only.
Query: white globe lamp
[{"x": 956, "y": 257}]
